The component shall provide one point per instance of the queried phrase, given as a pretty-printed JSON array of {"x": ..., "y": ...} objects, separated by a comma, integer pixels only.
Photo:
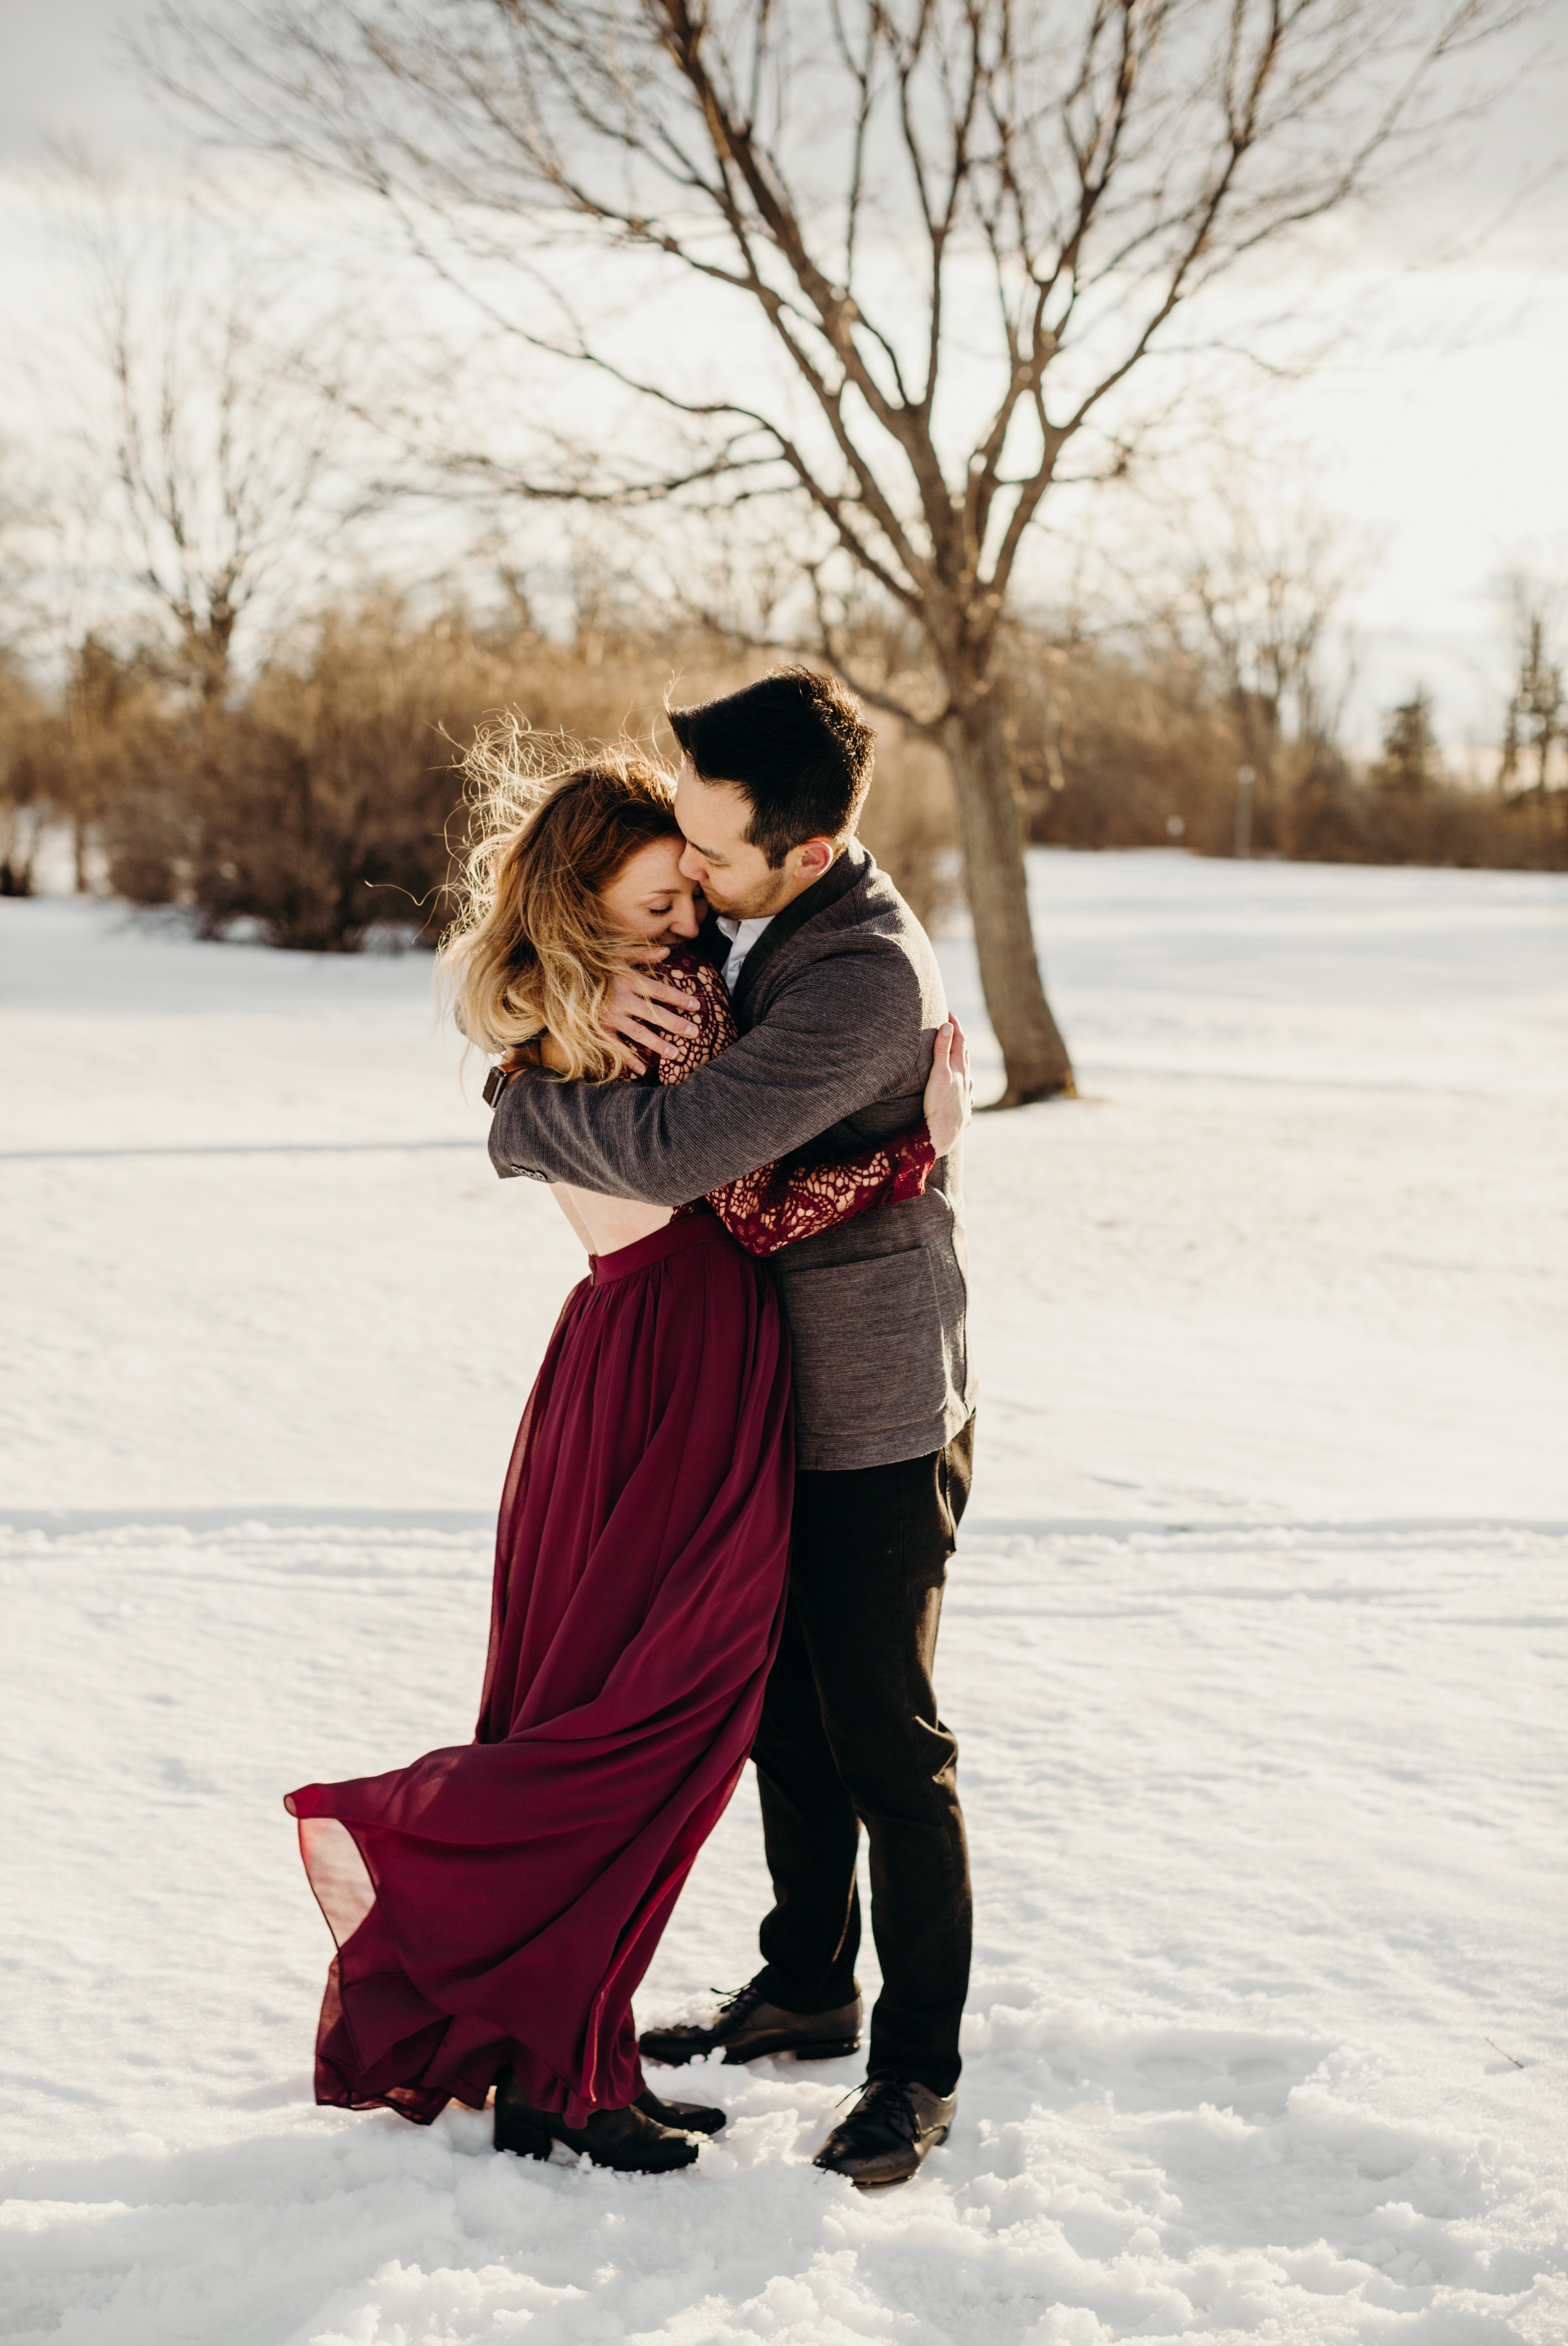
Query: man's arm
[{"x": 843, "y": 1034}]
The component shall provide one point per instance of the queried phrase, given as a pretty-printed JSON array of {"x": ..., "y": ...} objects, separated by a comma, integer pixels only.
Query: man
[{"x": 838, "y": 996}]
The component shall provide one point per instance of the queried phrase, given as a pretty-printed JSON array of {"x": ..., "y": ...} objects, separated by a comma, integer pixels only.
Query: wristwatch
[{"x": 497, "y": 1081}]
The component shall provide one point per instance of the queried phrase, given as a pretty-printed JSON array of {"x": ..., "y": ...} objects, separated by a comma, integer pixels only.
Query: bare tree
[
  {"x": 1255, "y": 596},
  {"x": 1535, "y": 729},
  {"x": 215, "y": 436},
  {"x": 949, "y": 232},
  {"x": 21, "y": 817}
]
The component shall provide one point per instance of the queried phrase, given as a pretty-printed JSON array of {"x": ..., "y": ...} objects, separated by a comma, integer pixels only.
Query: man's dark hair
[{"x": 796, "y": 747}]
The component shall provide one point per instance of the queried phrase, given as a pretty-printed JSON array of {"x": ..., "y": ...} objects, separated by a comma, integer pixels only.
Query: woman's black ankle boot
[{"x": 628, "y": 2140}]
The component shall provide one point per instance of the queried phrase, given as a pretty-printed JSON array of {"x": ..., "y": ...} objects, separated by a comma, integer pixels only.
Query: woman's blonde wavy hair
[{"x": 530, "y": 947}]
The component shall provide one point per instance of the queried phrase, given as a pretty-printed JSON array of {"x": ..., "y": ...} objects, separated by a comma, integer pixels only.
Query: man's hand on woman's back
[{"x": 949, "y": 1087}]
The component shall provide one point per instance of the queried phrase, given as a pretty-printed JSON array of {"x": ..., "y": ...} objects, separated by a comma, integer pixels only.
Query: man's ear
[{"x": 813, "y": 857}]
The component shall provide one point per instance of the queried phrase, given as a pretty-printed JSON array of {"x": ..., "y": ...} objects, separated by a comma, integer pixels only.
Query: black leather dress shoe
[
  {"x": 888, "y": 2133},
  {"x": 629, "y": 2140},
  {"x": 685, "y": 2117},
  {"x": 746, "y": 2026}
]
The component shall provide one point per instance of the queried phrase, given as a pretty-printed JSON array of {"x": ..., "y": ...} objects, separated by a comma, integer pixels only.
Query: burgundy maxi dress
[{"x": 499, "y": 1901}]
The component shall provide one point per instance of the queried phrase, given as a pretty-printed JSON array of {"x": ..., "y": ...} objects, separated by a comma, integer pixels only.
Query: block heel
[
  {"x": 836, "y": 2052},
  {"x": 515, "y": 2133},
  {"x": 519, "y": 2127}
]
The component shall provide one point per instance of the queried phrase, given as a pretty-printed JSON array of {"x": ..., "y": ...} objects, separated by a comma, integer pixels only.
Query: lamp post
[{"x": 1245, "y": 778}]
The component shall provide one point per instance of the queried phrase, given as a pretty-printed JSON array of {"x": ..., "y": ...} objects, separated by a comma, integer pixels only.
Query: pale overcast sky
[
  {"x": 61, "y": 79},
  {"x": 1447, "y": 447}
]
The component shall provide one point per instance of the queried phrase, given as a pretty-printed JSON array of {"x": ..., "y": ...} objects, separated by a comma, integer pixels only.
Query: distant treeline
[
  {"x": 321, "y": 798},
  {"x": 1130, "y": 749}
]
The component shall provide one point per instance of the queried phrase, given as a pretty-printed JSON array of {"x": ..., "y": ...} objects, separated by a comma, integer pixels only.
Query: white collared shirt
[{"x": 742, "y": 935}]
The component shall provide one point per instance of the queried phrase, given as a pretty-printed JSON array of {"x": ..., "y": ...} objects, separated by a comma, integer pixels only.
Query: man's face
[{"x": 735, "y": 876}]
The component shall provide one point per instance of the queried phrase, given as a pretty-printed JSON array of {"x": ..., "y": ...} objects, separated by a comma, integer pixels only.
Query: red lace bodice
[{"x": 772, "y": 1208}]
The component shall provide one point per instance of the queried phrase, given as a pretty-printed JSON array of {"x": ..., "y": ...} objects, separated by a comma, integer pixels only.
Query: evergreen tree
[{"x": 1410, "y": 761}]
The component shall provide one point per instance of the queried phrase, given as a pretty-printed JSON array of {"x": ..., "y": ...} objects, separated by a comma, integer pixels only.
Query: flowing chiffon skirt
[{"x": 499, "y": 1901}]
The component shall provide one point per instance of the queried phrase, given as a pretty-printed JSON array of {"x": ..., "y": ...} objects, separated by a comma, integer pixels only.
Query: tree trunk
[{"x": 990, "y": 828}]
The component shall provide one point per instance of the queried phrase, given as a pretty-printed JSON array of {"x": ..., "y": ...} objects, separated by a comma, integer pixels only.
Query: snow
[{"x": 1255, "y": 1647}]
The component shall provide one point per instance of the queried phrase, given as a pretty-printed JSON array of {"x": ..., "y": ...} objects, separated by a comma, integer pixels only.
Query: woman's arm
[{"x": 769, "y": 1208}]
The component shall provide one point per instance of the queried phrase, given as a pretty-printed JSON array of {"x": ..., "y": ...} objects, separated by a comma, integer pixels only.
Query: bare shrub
[
  {"x": 324, "y": 802},
  {"x": 19, "y": 795},
  {"x": 1117, "y": 750},
  {"x": 1353, "y": 821},
  {"x": 909, "y": 823},
  {"x": 1112, "y": 749}
]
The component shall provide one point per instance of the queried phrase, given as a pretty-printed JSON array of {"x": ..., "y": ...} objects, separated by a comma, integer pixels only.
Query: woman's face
[{"x": 649, "y": 898}]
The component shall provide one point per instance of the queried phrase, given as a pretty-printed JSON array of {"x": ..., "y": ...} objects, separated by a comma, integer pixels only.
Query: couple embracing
[{"x": 722, "y": 1041}]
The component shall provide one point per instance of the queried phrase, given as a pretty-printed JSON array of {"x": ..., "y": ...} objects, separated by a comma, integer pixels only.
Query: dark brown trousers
[{"x": 851, "y": 1735}]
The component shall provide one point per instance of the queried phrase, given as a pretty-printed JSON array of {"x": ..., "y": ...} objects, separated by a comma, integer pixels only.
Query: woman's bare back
[{"x": 607, "y": 1224}]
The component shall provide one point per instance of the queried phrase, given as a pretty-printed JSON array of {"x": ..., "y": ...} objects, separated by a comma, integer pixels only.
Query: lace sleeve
[
  {"x": 710, "y": 1011},
  {"x": 769, "y": 1209}
]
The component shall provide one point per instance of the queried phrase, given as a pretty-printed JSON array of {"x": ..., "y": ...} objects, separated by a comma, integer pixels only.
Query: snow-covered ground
[{"x": 1256, "y": 1645}]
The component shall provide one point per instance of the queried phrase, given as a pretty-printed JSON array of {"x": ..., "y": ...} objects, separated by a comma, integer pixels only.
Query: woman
[{"x": 495, "y": 1905}]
